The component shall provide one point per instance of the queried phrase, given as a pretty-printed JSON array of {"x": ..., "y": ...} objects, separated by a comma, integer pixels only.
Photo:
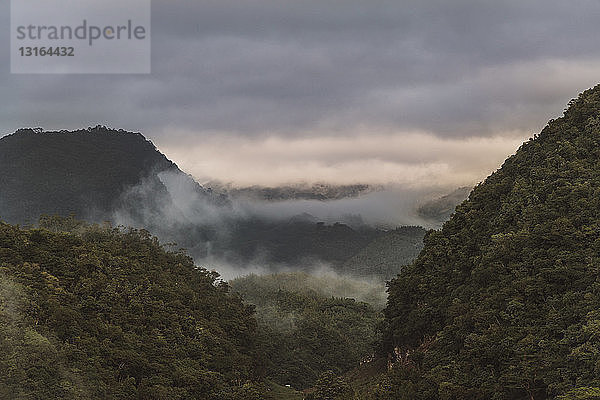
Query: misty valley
[
  {"x": 123, "y": 277},
  {"x": 305, "y": 266}
]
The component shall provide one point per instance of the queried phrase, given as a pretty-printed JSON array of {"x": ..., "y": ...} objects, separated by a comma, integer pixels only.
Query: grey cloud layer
[{"x": 313, "y": 67}]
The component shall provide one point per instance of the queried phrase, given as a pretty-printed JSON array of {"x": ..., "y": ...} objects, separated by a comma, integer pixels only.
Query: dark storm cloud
[{"x": 298, "y": 68}]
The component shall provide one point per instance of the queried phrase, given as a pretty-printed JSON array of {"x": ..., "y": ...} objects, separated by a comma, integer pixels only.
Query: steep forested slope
[
  {"x": 504, "y": 301},
  {"x": 104, "y": 313}
]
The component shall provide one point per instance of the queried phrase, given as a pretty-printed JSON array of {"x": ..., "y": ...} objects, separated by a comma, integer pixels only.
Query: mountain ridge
[{"x": 57, "y": 172}]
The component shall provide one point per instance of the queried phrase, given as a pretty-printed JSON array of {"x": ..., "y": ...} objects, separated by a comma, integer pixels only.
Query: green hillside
[
  {"x": 109, "y": 314},
  {"x": 504, "y": 301}
]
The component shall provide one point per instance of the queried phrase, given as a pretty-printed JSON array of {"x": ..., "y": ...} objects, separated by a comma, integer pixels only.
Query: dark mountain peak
[
  {"x": 84, "y": 172},
  {"x": 84, "y": 139}
]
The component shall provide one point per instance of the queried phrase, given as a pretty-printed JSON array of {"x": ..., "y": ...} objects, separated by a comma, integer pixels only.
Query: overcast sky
[{"x": 266, "y": 92}]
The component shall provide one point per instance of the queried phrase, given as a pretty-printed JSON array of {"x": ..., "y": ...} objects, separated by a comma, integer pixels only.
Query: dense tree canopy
[
  {"x": 101, "y": 312},
  {"x": 504, "y": 301}
]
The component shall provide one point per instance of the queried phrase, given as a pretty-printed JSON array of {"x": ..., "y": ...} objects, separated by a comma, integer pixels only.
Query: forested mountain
[
  {"x": 504, "y": 301},
  {"x": 501, "y": 303},
  {"x": 107, "y": 313},
  {"x": 84, "y": 173}
]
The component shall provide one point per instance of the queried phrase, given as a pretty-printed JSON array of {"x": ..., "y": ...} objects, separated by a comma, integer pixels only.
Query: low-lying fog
[
  {"x": 187, "y": 204},
  {"x": 388, "y": 207}
]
